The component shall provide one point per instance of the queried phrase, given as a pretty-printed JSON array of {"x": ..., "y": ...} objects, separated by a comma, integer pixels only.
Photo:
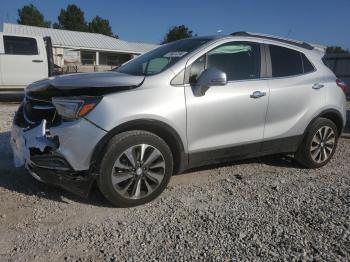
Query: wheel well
[
  {"x": 164, "y": 131},
  {"x": 335, "y": 118}
]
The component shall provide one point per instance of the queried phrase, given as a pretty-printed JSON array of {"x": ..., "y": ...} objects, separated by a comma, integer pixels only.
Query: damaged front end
[
  {"x": 51, "y": 135},
  {"x": 54, "y": 151}
]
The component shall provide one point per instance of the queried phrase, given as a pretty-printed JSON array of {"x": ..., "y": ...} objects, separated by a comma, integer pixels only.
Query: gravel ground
[{"x": 266, "y": 209}]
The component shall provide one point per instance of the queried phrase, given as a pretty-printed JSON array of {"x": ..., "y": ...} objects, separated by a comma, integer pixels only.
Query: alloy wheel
[
  {"x": 138, "y": 171},
  {"x": 322, "y": 144}
]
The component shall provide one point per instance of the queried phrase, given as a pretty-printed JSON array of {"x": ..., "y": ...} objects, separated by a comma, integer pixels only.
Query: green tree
[
  {"x": 100, "y": 26},
  {"x": 176, "y": 33},
  {"x": 30, "y": 15},
  {"x": 72, "y": 18},
  {"x": 336, "y": 50}
]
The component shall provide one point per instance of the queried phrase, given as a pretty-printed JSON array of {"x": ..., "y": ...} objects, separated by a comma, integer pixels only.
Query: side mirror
[{"x": 210, "y": 77}]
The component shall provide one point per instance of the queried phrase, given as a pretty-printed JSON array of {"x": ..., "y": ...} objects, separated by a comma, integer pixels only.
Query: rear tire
[
  {"x": 319, "y": 144},
  {"x": 135, "y": 169}
]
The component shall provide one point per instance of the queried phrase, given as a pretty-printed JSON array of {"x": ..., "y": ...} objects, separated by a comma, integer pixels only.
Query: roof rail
[{"x": 275, "y": 38}]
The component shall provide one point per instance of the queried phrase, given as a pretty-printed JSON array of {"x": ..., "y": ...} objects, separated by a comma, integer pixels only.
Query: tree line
[{"x": 73, "y": 18}]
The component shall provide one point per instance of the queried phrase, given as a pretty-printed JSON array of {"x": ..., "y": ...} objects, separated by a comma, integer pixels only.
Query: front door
[{"x": 228, "y": 120}]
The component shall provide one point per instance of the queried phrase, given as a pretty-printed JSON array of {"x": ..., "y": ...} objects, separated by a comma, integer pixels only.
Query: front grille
[{"x": 34, "y": 111}]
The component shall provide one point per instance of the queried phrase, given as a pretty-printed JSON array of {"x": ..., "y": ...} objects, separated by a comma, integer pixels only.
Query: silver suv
[{"x": 188, "y": 103}]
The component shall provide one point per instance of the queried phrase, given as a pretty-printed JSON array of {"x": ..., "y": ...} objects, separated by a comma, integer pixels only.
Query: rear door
[
  {"x": 296, "y": 93},
  {"x": 23, "y": 60}
]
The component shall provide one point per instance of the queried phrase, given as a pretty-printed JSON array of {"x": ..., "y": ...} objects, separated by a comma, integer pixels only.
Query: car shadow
[
  {"x": 346, "y": 131},
  {"x": 11, "y": 97}
]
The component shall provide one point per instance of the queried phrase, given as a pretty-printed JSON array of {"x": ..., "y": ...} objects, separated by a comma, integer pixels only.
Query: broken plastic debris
[{"x": 22, "y": 140}]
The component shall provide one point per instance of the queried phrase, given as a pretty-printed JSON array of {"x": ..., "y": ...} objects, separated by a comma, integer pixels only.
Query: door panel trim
[
  {"x": 276, "y": 146},
  {"x": 281, "y": 145},
  {"x": 223, "y": 154}
]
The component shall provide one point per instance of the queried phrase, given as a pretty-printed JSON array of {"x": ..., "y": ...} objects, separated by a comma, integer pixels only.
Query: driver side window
[{"x": 239, "y": 60}]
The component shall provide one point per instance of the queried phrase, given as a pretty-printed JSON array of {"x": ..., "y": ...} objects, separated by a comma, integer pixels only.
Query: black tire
[
  {"x": 303, "y": 155},
  {"x": 116, "y": 146}
]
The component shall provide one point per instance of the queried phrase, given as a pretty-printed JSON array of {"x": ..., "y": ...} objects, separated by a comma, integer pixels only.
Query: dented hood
[{"x": 90, "y": 84}]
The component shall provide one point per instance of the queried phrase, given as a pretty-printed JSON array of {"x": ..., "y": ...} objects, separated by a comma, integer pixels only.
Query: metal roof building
[
  {"x": 74, "y": 39},
  {"x": 82, "y": 47}
]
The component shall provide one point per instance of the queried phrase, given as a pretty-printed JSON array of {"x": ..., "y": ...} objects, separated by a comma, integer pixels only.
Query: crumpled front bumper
[
  {"x": 58, "y": 155},
  {"x": 78, "y": 183}
]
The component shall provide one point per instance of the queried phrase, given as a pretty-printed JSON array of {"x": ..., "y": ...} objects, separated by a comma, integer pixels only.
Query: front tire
[
  {"x": 135, "y": 169},
  {"x": 319, "y": 144}
]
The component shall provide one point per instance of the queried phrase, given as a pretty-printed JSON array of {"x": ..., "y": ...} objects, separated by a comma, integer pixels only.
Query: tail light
[{"x": 342, "y": 85}]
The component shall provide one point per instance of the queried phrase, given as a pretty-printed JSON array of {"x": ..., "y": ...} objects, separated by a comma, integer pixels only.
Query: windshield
[{"x": 161, "y": 58}]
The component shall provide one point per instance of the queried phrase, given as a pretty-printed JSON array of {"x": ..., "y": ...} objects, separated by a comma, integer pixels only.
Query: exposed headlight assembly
[{"x": 72, "y": 108}]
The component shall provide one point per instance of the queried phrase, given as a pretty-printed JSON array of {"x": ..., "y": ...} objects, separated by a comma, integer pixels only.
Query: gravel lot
[{"x": 265, "y": 209}]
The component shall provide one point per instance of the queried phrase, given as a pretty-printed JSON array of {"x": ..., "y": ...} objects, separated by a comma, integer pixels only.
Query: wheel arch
[
  {"x": 159, "y": 128},
  {"x": 332, "y": 114},
  {"x": 302, "y": 156},
  {"x": 335, "y": 116}
]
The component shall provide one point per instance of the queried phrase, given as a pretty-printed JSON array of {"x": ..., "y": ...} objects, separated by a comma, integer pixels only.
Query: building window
[
  {"x": 112, "y": 60},
  {"x": 88, "y": 58}
]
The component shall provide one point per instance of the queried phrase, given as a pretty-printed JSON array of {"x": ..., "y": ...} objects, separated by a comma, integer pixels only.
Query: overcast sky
[{"x": 323, "y": 22}]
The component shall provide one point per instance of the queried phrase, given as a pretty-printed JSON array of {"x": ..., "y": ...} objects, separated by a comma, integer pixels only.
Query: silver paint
[
  {"x": 77, "y": 142},
  {"x": 224, "y": 116}
]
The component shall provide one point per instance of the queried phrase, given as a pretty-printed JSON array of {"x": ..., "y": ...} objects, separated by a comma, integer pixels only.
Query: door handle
[
  {"x": 37, "y": 61},
  {"x": 317, "y": 86},
  {"x": 258, "y": 94}
]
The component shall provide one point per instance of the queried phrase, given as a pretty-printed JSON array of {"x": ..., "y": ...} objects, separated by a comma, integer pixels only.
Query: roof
[
  {"x": 80, "y": 40},
  {"x": 275, "y": 38}
]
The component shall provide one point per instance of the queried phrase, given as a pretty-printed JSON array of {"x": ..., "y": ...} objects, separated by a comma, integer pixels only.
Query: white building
[{"x": 81, "y": 48}]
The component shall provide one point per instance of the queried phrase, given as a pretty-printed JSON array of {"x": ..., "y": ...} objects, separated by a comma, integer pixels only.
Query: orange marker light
[{"x": 86, "y": 109}]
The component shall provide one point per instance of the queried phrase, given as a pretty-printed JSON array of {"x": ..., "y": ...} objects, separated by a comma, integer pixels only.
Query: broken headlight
[{"x": 72, "y": 108}]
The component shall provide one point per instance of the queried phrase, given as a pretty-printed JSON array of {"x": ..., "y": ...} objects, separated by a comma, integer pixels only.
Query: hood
[{"x": 90, "y": 84}]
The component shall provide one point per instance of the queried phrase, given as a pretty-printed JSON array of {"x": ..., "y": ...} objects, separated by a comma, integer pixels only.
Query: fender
[{"x": 163, "y": 130}]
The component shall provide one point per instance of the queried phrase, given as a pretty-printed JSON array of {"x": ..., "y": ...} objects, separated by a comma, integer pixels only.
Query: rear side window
[
  {"x": 288, "y": 62},
  {"x": 285, "y": 61},
  {"x": 307, "y": 66},
  {"x": 15, "y": 45}
]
